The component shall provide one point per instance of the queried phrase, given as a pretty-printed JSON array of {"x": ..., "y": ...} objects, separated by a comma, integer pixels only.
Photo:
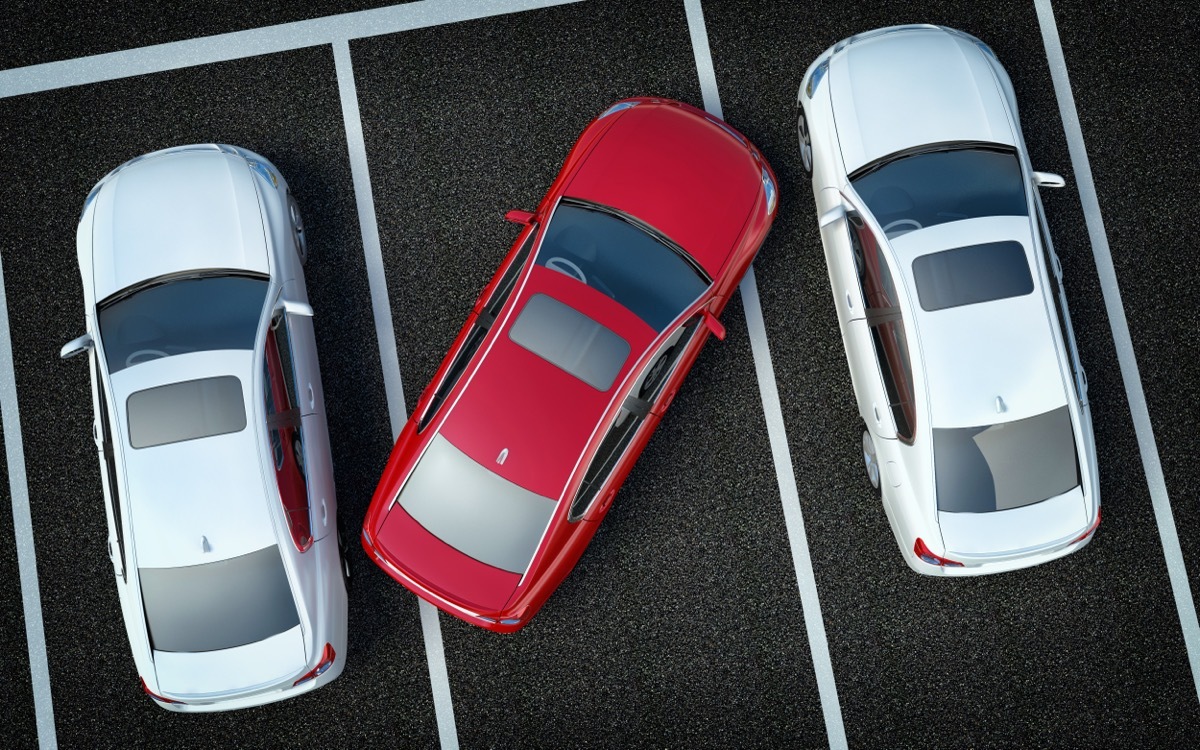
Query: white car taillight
[
  {"x": 327, "y": 657},
  {"x": 157, "y": 697}
]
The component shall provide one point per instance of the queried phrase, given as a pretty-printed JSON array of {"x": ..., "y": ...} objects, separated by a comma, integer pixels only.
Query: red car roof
[
  {"x": 679, "y": 155},
  {"x": 542, "y": 415}
]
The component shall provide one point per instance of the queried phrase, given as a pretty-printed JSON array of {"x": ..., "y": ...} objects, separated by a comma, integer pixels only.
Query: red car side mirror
[
  {"x": 519, "y": 217},
  {"x": 714, "y": 326}
]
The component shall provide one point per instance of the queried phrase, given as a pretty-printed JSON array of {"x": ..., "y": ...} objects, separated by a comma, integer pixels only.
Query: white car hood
[
  {"x": 196, "y": 501},
  {"x": 255, "y": 665},
  {"x": 974, "y": 353},
  {"x": 912, "y": 87},
  {"x": 1016, "y": 529},
  {"x": 177, "y": 212}
]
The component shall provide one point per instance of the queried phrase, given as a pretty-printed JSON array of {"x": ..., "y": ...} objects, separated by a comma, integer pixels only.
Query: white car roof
[
  {"x": 196, "y": 501},
  {"x": 973, "y": 353},
  {"x": 176, "y": 212},
  {"x": 910, "y": 87}
]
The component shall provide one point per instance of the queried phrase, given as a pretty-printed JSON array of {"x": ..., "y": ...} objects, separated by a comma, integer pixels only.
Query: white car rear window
[
  {"x": 1003, "y": 466},
  {"x": 218, "y": 605}
]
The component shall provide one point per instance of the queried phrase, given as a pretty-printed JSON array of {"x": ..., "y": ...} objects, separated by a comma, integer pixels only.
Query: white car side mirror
[
  {"x": 1048, "y": 179},
  {"x": 292, "y": 307},
  {"x": 832, "y": 215},
  {"x": 76, "y": 346}
]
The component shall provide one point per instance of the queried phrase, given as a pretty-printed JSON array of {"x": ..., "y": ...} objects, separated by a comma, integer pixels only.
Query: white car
[
  {"x": 210, "y": 428},
  {"x": 950, "y": 301}
]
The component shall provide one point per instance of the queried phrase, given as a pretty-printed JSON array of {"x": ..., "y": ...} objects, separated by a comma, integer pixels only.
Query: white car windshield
[
  {"x": 1007, "y": 465},
  {"x": 179, "y": 316},
  {"x": 915, "y": 191}
]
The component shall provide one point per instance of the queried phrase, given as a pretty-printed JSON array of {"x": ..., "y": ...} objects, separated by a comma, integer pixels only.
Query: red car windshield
[{"x": 654, "y": 280}]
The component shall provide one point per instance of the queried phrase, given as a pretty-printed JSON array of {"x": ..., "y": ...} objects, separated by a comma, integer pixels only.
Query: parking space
[
  {"x": 1034, "y": 657},
  {"x": 1141, "y": 141},
  {"x": 46, "y": 32},
  {"x": 16, "y": 691},
  {"x": 679, "y": 622},
  {"x": 286, "y": 107},
  {"x": 682, "y": 624}
]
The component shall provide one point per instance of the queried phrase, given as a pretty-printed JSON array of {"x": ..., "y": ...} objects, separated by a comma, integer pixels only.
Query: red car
[{"x": 568, "y": 360}]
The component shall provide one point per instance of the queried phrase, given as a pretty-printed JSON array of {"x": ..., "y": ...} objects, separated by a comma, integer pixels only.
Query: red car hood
[
  {"x": 539, "y": 416},
  {"x": 680, "y": 157}
]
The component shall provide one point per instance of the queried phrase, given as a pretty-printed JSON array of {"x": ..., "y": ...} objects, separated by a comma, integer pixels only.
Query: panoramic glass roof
[
  {"x": 972, "y": 274},
  {"x": 185, "y": 411},
  {"x": 565, "y": 337}
]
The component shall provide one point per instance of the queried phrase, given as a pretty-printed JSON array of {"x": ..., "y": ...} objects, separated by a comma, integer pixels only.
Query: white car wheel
[
  {"x": 345, "y": 560},
  {"x": 870, "y": 459},
  {"x": 806, "y": 151},
  {"x": 298, "y": 234}
]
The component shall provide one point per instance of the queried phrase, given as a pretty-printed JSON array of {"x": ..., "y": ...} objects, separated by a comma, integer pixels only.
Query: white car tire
[
  {"x": 806, "y": 149},
  {"x": 870, "y": 458}
]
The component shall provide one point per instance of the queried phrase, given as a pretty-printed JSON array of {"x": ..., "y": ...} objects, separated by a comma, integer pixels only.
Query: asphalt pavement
[{"x": 682, "y": 625}]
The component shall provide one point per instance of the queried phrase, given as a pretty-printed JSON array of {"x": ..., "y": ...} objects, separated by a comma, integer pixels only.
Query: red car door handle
[{"x": 668, "y": 399}]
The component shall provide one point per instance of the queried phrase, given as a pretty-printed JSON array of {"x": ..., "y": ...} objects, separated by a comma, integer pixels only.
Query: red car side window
[{"x": 487, "y": 316}]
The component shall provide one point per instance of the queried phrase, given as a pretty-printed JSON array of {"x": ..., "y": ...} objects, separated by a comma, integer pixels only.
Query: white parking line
[
  {"x": 1126, "y": 357},
  {"x": 364, "y": 198},
  {"x": 31, "y": 596},
  {"x": 238, "y": 44},
  {"x": 385, "y": 334},
  {"x": 776, "y": 431}
]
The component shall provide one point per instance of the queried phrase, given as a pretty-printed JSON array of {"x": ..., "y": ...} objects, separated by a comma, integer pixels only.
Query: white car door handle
[
  {"x": 324, "y": 512},
  {"x": 312, "y": 398},
  {"x": 849, "y": 302}
]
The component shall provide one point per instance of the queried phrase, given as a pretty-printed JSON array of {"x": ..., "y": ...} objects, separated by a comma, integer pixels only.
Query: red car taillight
[
  {"x": 1091, "y": 529},
  {"x": 155, "y": 696},
  {"x": 327, "y": 657},
  {"x": 922, "y": 551}
]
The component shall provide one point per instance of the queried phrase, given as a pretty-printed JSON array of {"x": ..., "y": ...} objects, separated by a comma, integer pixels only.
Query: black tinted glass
[
  {"x": 177, "y": 317},
  {"x": 565, "y": 337},
  {"x": 185, "y": 411},
  {"x": 967, "y": 275},
  {"x": 611, "y": 449},
  {"x": 220, "y": 604},
  {"x": 1008, "y": 465},
  {"x": 622, "y": 261},
  {"x": 923, "y": 190}
]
